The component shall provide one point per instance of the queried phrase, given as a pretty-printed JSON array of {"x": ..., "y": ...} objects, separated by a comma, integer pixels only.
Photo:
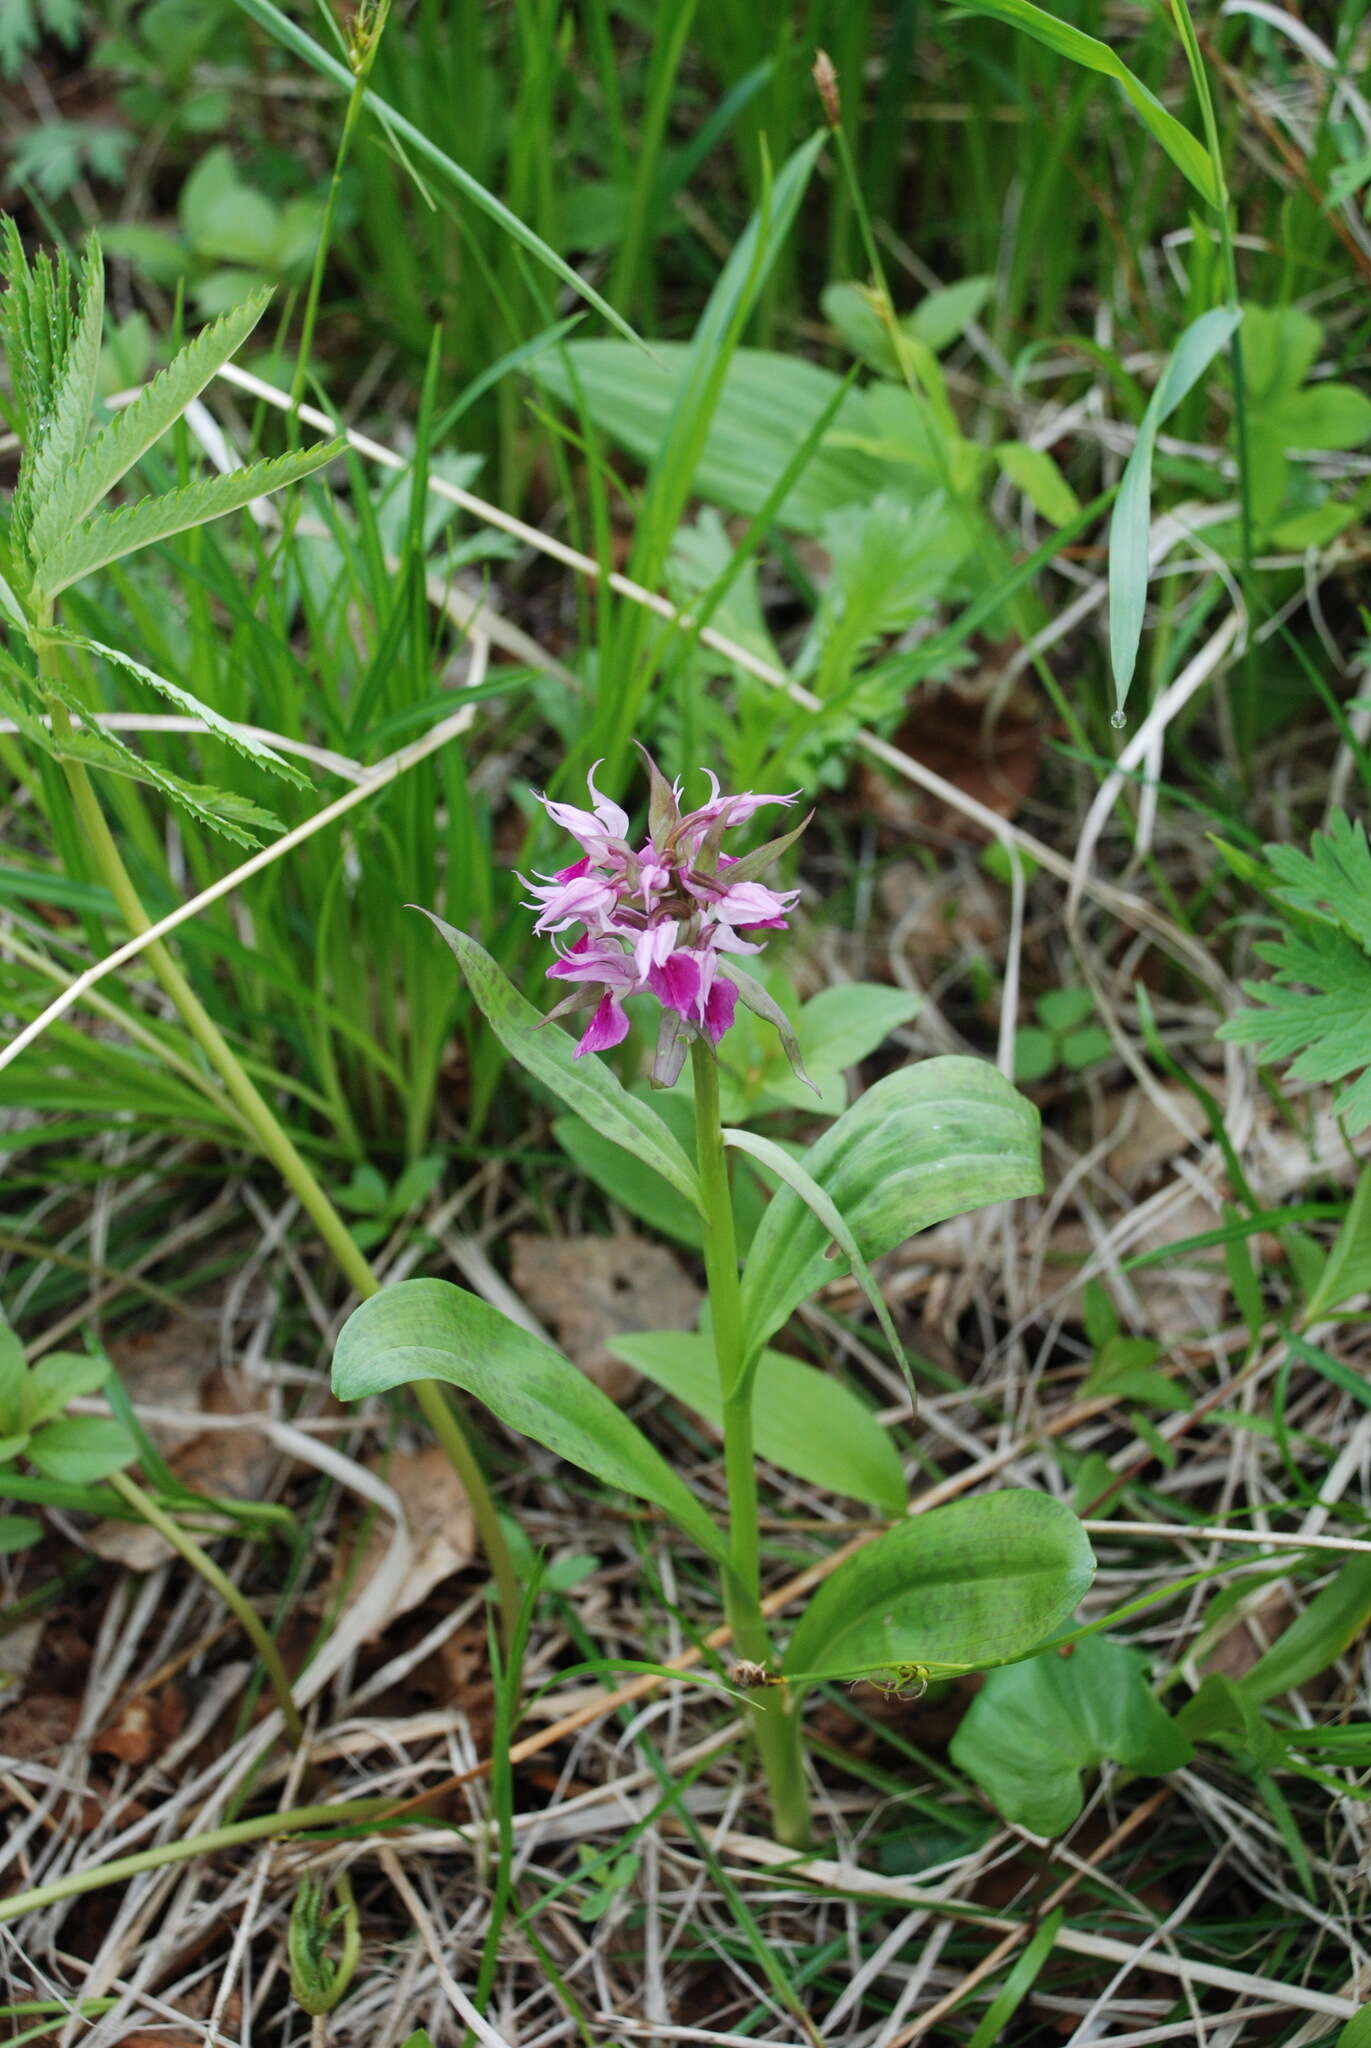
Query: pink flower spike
[
  {"x": 720, "y": 1008},
  {"x": 608, "y": 1027}
]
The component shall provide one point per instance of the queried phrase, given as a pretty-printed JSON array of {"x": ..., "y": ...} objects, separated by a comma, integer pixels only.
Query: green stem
[
  {"x": 346, "y": 1812},
  {"x": 277, "y": 1145},
  {"x": 775, "y": 1719},
  {"x": 356, "y": 100},
  {"x": 200, "y": 1561}
]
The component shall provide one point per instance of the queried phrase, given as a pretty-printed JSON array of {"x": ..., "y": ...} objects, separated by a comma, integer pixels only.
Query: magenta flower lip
[{"x": 661, "y": 917}]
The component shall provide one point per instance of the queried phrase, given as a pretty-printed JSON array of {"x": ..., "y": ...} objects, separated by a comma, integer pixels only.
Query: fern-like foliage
[{"x": 1316, "y": 1008}]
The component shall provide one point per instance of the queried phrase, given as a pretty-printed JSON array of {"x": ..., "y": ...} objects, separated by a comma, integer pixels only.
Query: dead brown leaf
[
  {"x": 985, "y": 746},
  {"x": 441, "y": 1526},
  {"x": 590, "y": 1289}
]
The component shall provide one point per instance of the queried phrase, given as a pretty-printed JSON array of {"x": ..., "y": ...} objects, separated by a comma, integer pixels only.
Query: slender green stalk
[
  {"x": 276, "y": 1144},
  {"x": 363, "y": 43},
  {"x": 775, "y": 1720},
  {"x": 180, "y": 1540},
  {"x": 95, "y": 1876}
]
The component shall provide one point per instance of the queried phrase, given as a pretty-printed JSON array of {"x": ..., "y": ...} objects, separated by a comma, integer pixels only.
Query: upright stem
[
  {"x": 276, "y": 1144},
  {"x": 775, "y": 1719}
]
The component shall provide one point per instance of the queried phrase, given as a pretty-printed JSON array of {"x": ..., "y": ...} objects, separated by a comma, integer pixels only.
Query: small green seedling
[
  {"x": 1063, "y": 1036},
  {"x": 69, "y": 1453}
]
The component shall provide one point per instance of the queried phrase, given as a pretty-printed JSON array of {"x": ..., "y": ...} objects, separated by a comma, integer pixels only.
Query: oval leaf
[
  {"x": 433, "y": 1330},
  {"x": 1033, "y": 1729},
  {"x": 81, "y": 1448},
  {"x": 931, "y": 1141},
  {"x": 802, "y": 1420},
  {"x": 587, "y": 1087},
  {"x": 976, "y": 1583}
]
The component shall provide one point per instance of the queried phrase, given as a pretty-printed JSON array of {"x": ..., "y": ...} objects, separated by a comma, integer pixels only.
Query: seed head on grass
[{"x": 669, "y": 917}]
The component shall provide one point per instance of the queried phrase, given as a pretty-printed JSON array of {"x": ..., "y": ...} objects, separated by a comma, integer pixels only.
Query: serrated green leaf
[
  {"x": 933, "y": 1140},
  {"x": 81, "y": 1449},
  {"x": 49, "y": 461},
  {"x": 803, "y": 1420},
  {"x": 1034, "y": 1728},
  {"x": 961, "y": 1588},
  {"x": 433, "y": 1330},
  {"x": 108, "y": 536},
  {"x": 130, "y": 434},
  {"x": 586, "y": 1087},
  {"x": 244, "y": 743}
]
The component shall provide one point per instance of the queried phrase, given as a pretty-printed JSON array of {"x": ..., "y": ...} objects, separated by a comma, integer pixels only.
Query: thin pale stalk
[
  {"x": 775, "y": 1721},
  {"x": 199, "y": 1561}
]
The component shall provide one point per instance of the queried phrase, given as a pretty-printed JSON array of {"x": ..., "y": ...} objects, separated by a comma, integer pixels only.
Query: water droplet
[{"x": 1118, "y": 721}]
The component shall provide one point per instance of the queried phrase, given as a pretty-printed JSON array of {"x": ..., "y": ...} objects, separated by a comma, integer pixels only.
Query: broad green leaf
[
  {"x": 107, "y": 536},
  {"x": 1336, "y": 416},
  {"x": 802, "y": 1419},
  {"x": 1334, "y": 1618},
  {"x": 1131, "y": 524},
  {"x": 130, "y": 434},
  {"x": 60, "y": 1377},
  {"x": 794, "y": 1175},
  {"x": 80, "y": 1449},
  {"x": 1280, "y": 345},
  {"x": 1348, "y": 1270},
  {"x": 766, "y": 405},
  {"x": 244, "y": 743},
  {"x": 433, "y": 1330},
  {"x": 942, "y": 316},
  {"x": 49, "y": 463},
  {"x": 1041, "y": 481},
  {"x": 935, "y": 1139},
  {"x": 841, "y": 1026},
  {"x": 1357, "y": 2032},
  {"x": 17, "y": 1532},
  {"x": 1034, "y": 1728},
  {"x": 11, "y": 1446},
  {"x": 977, "y": 1583},
  {"x": 628, "y": 1182},
  {"x": 587, "y": 1087},
  {"x": 1188, "y": 155}
]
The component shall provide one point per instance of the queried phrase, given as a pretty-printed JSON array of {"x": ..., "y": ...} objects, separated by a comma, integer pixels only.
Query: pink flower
[{"x": 658, "y": 919}]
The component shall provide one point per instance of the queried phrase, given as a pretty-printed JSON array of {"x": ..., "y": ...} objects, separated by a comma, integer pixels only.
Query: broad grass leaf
[
  {"x": 433, "y": 1330},
  {"x": 973, "y": 1584},
  {"x": 1033, "y": 1729},
  {"x": 933, "y": 1140},
  {"x": 1348, "y": 1269},
  {"x": 407, "y": 138},
  {"x": 1334, "y": 1618},
  {"x": 1035, "y": 473},
  {"x": 142, "y": 423},
  {"x": 587, "y": 1087},
  {"x": 803, "y": 1420},
  {"x": 1131, "y": 524},
  {"x": 1357, "y": 2032},
  {"x": 108, "y": 536},
  {"x": 1189, "y": 155}
]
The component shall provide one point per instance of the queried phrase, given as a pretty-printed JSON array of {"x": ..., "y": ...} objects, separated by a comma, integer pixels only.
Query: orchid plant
[{"x": 670, "y": 917}]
